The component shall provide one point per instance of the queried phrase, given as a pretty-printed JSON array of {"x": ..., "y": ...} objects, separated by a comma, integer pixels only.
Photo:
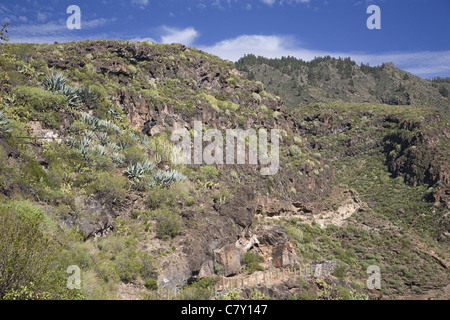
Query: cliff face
[{"x": 98, "y": 163}]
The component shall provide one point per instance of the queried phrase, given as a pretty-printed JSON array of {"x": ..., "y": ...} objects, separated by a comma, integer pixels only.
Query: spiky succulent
[
  {"x": 55, "y": 82},
  {"x": 4, "y": 124},
  {"x": 103, "y": 137},
  {"x": 134, "y": 172},
  {"x": 166, "y": 178},
  {"x": 115, "y": 115},
  {"x": 101, "y": 150},
  {"x": 118, "y": 158}
]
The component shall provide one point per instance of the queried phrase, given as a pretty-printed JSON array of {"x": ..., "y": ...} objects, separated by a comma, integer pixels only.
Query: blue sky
[{"x": 414, "y": 34}]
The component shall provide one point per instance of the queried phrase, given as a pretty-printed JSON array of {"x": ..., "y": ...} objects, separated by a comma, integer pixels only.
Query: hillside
[
  {"x": 87, "y": 179},
  {"x": 342, "y": 80}
]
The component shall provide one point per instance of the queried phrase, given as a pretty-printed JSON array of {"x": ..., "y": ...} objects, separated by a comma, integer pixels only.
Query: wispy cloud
[{"x": 52, "y": 31}]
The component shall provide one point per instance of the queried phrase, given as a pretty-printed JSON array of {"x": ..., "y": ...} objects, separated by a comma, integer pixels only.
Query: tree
[
  {"x": 3, "y": 32},
  {"x": 444, "y": 91}
]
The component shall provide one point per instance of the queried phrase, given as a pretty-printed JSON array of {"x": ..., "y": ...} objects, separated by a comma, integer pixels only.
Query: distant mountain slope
[{"x": 342, "y": 80}]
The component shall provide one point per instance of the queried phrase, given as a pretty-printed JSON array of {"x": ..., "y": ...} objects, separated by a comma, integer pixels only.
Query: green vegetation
[
  {"x": 108, "y": 196},
  {"x": 251, "y": 261}
]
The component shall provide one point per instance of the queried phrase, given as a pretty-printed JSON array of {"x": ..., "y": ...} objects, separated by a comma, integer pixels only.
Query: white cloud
[
  {"x": 184, "y": 36},
  {"x": 425, "y": 63},
  {"x": 140, "y": 3}
]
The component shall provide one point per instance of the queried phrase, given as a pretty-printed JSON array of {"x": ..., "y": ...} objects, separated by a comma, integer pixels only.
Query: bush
[
  {"x": 168, "y": 225},
  {"x": 161, "y": 198},
  {"x": 209, "y": 172},
  {"x": 251, "y": 261},
  {"x": 36, "y": 99},
  {"x": 128, "y": 265},
  {"x": 149, "y": 266},
  {"x": 26, "y": 253},
  {"x": 109, "y": 188},
  {"x": 151, "y": 284}
]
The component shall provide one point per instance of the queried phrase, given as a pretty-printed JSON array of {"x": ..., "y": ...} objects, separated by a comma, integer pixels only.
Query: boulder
[{"x": 230, "y": 258}]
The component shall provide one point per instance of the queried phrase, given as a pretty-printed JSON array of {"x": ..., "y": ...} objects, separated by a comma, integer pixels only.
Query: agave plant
[
  {"x": 116, "y": 115},
  {"x": 134, "y": 172},
  {"x": 123, "y": 145},
  {"x": 113, "y": 128},
  {"x": 113, "y": 146},
  {"x": 118, "y": 158},
  {"x": 55, "y": 82},
  {"x": 166, "y": 178},
  {"x": 90, "y": 135},
  {"x": 73, "y": 97},
  {"x": 101, "y": 150},
  {"x": 103, "y": 137},
  {"x": 147, "y": 165},
  {"x": 4, "y": 124},
  {"x": 72, "y": 142},
  {"x": 88, "y": 97}
]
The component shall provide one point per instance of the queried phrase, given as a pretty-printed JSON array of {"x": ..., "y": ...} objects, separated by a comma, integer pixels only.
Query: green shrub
[
  {"x": 340, "y": 272},
  {"x": 307, "y": 295},
  {"x": 168, "y": 225},
  {"x": 26, "y": 253},
  {"x": 161, "y": 198},
  {"x": 36, "y": 99},
  {"x": 128, "y": 265},
  {"x": 251, "y": 261},
  {"x": 108, "y": 187},
  {"x": 149, "y": 266},
  {"x": 209, "y": 172},
  {"x": 151, "y": 284}
]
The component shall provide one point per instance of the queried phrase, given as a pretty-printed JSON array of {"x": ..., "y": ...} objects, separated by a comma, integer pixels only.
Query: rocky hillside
[
  {"x": 86, "y": 166},
  {"x": 342, "y": 80}
]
